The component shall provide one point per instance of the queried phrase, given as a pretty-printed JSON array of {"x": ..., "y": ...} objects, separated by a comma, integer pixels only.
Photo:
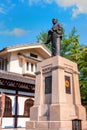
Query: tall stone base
[{"x": 57, "y": 97}]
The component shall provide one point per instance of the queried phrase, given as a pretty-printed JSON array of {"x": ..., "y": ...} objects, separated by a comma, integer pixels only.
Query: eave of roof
[
  {"x": 15, "y": 77},
  {"x": 26, "y": 46}
]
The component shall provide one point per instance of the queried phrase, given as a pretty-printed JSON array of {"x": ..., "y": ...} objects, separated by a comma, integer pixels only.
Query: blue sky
[{"x": 22, "y": 20}]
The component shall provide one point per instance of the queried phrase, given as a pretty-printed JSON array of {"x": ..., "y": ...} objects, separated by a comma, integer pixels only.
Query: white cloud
[
  {"x": 40, "y": 2},
  {"x": 81, "y": 8},
  {"x": 78, "y": 6},
  {"x": 33, "y": 2},
  {"x": 4, "y": 8},
  {"x": 15, "y": 32},
  {"x": 18, "y": 32},
  {"x": 65, "y": 3}
]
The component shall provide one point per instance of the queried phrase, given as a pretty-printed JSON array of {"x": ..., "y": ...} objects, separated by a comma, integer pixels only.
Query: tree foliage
[
  {"x": 83, "y": 73},
  {"x": 43, "y": 37},
  {"x": 73, "y": 50}
]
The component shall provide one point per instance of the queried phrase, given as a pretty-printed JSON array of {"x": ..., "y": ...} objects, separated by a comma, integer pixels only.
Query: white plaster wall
[
  {"x": 27, "y": 53},
  {"x": 7, "y": 122},
  {"x": 40, "y": 58},
  {"x": 14, "y": 63},
  {"x": 13, "y": 104},
  {"x": 22, "y": 122},
  {"x": 21, "y": 101}
]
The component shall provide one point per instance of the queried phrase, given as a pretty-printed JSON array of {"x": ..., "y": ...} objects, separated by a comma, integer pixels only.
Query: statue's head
[{"x": 54, "y": 20}]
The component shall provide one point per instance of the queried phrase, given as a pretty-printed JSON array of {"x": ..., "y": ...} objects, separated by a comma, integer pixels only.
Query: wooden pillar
[{"x": 16, "y": 109}]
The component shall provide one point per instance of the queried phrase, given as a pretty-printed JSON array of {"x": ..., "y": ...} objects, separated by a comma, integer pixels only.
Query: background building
[{"x": 18, "y": 65}]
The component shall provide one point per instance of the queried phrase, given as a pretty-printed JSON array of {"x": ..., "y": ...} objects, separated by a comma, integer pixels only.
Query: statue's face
[{"x": 54, "y": 21}]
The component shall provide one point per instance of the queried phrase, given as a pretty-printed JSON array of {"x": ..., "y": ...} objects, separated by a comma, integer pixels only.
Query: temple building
[{"x": 18, "y": 65}]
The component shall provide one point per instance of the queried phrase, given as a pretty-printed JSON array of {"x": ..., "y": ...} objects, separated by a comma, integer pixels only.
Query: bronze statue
[{"x": 55, "y": 36}]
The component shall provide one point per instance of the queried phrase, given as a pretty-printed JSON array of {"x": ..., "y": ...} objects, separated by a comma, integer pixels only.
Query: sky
[{"x": 21, "y": 21}]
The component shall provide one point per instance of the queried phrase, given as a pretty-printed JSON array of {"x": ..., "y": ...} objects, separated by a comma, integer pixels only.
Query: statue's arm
[{"x": 55, "y": 27}]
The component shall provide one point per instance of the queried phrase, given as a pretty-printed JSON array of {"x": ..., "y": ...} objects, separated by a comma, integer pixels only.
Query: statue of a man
[{"x": 55, "y": 36}]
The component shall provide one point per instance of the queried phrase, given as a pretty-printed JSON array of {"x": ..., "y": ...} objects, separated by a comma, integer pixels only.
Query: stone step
[{"x": 43, "y": 118}]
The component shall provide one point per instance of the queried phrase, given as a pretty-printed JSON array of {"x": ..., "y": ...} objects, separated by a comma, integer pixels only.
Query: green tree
[
  {"x": 43, "y": 37},
  {"x": 70, "y": 46},
  {"x": 73, "y": 50},
  {"x": 83, "y": 73}
]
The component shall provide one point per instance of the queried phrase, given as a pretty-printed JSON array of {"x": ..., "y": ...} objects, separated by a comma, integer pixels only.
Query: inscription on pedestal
[{"x": 48, "y": 85}]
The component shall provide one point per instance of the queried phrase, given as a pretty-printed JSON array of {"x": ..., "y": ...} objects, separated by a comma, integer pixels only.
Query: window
[
  {"x": 28, "y": 104},
  {"x": 8, "y": 107},
  {"x": 33, "y": 55},
  {"x": 27, "y": 66},
  {"x": 31, "y": 67},
  {"x": 3, "y": 64}
]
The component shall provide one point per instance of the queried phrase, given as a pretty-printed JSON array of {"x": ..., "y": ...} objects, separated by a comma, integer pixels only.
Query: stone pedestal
[{"x": 57, "y": 97}]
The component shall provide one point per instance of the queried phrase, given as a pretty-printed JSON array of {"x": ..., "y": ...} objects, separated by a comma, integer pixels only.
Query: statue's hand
[{"x": 53, "y": 29}]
